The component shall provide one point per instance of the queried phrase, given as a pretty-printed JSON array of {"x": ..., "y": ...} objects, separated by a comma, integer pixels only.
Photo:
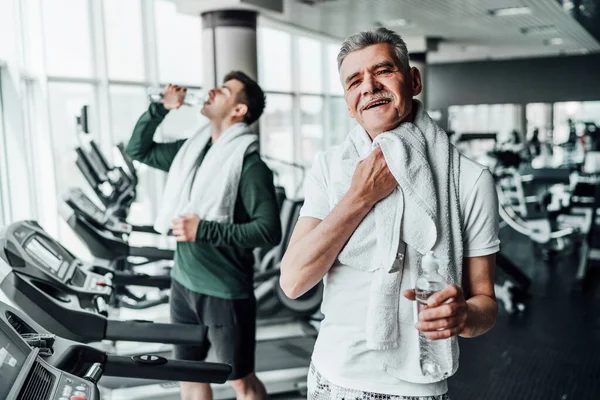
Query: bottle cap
[{"x": 429, "y": 261}]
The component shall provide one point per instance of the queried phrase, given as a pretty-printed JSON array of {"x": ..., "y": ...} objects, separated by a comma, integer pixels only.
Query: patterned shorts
[{"x": 320, "y": 388}]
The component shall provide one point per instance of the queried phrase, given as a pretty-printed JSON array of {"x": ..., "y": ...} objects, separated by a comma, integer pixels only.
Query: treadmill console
[
  {"x": 49, "y": 258},
  {"x": 12, "y": 361},
  {"x": 45, "y": 254},
  {"x": 25, "y": 376},
  {"x": 82, "y": 204}
]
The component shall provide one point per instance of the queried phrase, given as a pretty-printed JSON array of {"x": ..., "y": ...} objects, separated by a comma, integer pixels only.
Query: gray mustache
[{"x": 376, "y": 96}]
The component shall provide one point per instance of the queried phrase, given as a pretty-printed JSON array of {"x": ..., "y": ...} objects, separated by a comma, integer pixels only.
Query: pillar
[{"x": 229, "y": 43}]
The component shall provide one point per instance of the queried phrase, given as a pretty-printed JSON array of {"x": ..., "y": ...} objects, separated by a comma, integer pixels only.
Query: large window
[
  {"x": 501, "y": 119},
  {"x": 3, "y": 170},
  {"x": 339, "y": 121},
  {"x": 124, "y": 41},
  {"x": 275, "y": 59},
  {"x": 63, "y": 54},
  {"x": 179, "y": 45},
  {"x": 311, "y": 128},
  {"x": 17, "y": 160},
  {"x": 277, "y": 139},
  {"x": 306, "y": 112},
  {"x": 8, "y": 42},
  {"x": 334, "y": 85},
  {"x": 127, "y": 103},
  {"x": 67, "y": 38},
  {"x": 311, "y": 65},
  {"x": 574, "y": 115}
]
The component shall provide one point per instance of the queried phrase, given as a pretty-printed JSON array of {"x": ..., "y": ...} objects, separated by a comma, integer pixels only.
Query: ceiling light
[
  {"x": 474, "y": 48},
  {"x": 399, "y": 22},
  {"x": 506, "y": 12},
  {"x": 554, "y": 42},
  {"x": 538, "y": 30}
]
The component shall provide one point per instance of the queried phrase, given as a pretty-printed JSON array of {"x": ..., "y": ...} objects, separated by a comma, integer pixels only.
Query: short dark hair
[{"x": 252, "y": 95}]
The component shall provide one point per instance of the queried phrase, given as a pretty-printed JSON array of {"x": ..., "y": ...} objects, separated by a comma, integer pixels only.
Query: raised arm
[{"x": 142, "y": 147}]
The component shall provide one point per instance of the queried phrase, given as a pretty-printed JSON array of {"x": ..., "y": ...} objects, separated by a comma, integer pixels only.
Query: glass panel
[
  {"x": 539, "y": 116},
  {"x": 311, "y": 65},
  {"x": 275, "y": 59},
  {"x": 16, "y": 152},
  {"x": 127, "y": 104},
  {"x": 67, "y": 38},
  {"x": 334, "y": 85},
  {"x": 339, "y": 121},
  {"x": 277, "y": 140},
  {"x": 311, "y": 128},
  {"x": 42, "y": 169},
  {"x": 570, "y": 119},
  {"x": 33, "y": 35},
  {"x": 179, "y": 41},
  {"x": 66, "y": 100},
  {"x": 8, "y": 24},
  {"x": 3, "y": 184},
  {"x": 123, "y": 19},
  {"x": 502, "y": 119}
]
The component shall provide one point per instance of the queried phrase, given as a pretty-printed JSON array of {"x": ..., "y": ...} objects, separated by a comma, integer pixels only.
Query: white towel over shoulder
[
  {"x": 209, "y": 190},
  {"x": 423, "y": 212}
]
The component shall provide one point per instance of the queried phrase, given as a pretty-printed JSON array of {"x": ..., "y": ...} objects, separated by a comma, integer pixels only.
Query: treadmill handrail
[
  {"x": 153, "y": 253},
  {"x": 151, "y": 332},
  {"x": 128, "y": 163},
  {"x": 144, "y": 229},
  {"x": 137, "y": 279},
  {"x": 171, "y": 370}
]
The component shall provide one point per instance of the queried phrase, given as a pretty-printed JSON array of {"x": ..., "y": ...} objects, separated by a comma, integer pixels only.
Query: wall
[{"x": 565, "y": 78}]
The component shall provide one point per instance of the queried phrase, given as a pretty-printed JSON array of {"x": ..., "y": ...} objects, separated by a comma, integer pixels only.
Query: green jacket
[{"x": 220, "y": 262}]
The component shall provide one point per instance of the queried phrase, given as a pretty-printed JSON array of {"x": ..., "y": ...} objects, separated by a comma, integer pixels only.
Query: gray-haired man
[{"x": 337, "y": 229}]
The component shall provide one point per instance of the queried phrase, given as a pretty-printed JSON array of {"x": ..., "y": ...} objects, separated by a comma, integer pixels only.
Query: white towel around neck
[
  {"x": 424, "y": 212},
  {"x": 208, "y": 190}
]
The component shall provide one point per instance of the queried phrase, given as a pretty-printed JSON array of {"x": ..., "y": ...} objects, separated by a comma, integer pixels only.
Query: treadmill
[
  {"x": 46, "y": 281},
  {"x": 105, "y": 235},
  {"x": 115, "y": 188},
  {"x": 37, "y": 365}
]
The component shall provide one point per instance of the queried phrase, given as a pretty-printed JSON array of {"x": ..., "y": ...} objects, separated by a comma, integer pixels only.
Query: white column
[{"x": 229, "y": 43}]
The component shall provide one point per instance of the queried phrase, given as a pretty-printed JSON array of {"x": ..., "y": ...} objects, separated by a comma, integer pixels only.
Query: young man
[
  {"x": 394, "y": 190},
  {"x": 220, "y": 204}
]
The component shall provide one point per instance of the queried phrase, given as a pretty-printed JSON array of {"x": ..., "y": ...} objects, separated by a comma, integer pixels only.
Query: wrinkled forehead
[{"x": 363, "y": 60}]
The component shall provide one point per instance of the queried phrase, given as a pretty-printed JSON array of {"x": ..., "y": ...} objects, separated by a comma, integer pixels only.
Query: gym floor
[{"x": 552, "y": 351}]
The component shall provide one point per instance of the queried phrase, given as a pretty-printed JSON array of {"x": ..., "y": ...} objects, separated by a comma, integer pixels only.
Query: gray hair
[{"x": 360, "y": 40}]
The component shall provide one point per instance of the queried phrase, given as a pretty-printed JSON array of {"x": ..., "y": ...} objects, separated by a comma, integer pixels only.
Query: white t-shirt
[{"x": 340, "y": 353}]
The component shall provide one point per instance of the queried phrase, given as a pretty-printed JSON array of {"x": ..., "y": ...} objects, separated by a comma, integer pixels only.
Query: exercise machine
[
  {"x": 36, "y": 364},
  {"x": 47, "y": 282}
]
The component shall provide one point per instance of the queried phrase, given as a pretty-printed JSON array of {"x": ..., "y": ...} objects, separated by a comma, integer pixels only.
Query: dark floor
[{"x": 552, "y": 351}]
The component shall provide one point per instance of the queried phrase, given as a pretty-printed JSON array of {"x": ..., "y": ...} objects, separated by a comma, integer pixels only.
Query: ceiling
[{"x": 465, "y": 28}]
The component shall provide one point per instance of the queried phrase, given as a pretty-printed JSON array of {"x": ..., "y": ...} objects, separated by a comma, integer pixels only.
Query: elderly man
[{"x": 394, "y": 190}]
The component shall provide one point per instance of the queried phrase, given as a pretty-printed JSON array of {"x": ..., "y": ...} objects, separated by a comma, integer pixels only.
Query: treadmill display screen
[
  {"x": 12, "y": 359},
  {"x": 89, "y": 207},
  {"x": 42, "y": 253}
]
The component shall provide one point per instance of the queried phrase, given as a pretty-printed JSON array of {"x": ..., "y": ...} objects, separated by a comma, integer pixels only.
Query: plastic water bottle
[
  {"x": 435, "y": 356},
  {"x": 193, "y": 98}
]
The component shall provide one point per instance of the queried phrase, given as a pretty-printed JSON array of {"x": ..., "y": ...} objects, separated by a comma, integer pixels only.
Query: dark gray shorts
[{"x": 229, "y": 329}]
